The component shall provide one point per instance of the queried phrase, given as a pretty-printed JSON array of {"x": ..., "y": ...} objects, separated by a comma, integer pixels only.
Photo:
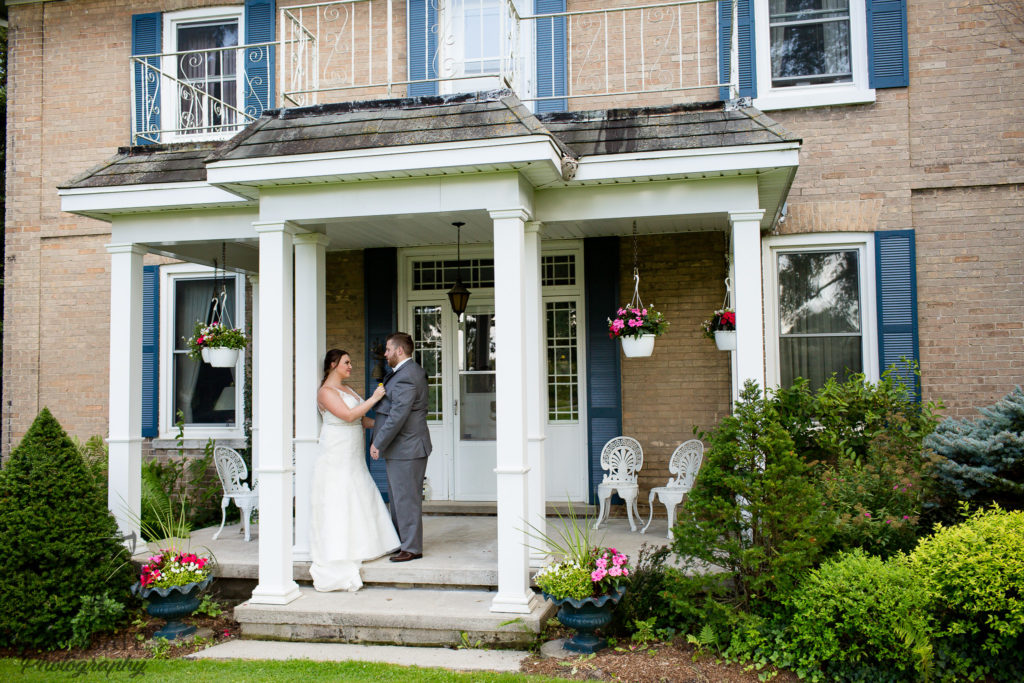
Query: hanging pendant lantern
[{"x": 458, "y": 295}]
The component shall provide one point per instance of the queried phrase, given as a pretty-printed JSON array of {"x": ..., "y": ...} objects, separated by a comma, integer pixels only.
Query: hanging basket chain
[
  {"x": 219, "y": 302},
  {"x": 636, "y": 302}
]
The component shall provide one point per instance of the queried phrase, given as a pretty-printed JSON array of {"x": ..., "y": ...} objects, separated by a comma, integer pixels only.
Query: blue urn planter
[
  {"x": 173, "y": 604},
  {"x": 586, "y": 616}
]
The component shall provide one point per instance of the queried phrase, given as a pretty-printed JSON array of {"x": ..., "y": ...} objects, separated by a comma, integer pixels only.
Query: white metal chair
[
  {"x": 233, "y": 473},
  {"x": 683, "y": 465},
  {"x": 621, "y": 458}
]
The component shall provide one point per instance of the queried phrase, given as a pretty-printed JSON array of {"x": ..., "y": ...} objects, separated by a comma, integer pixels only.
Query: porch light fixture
[{"x": 458, "y": 295}]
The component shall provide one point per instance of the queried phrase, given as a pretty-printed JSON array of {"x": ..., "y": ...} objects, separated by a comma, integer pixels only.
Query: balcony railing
[{"x": 363, "y": 49}]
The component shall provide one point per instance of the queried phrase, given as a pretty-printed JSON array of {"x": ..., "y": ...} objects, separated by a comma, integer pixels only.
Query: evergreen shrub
[
  {"x": 982, "y": 460},
  {"x": 754, "y": 511},
  {"x": 975, "y": 573},
  {"x": 58, "y": 542}
]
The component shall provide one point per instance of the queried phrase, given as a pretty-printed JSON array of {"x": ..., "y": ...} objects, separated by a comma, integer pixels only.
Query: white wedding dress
[{"x": 349, "y": 521}]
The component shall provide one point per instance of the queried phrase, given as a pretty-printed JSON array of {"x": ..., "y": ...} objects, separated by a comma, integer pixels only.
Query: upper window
[
  {"x": 820, "y": 315},
  {"x": 811, "y": 53},
  {"x": 201, "y": 48},
  {"x": 208, "y": 398}
]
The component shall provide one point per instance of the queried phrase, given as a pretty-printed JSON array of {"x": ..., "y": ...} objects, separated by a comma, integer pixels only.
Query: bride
[{"x": 349, "y": 521}]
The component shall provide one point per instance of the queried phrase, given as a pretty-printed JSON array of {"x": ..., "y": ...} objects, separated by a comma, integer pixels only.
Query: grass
[{"x": 240, "y": 670}]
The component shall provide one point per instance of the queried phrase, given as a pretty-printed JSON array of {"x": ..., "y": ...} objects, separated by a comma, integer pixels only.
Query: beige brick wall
[
  {"x": 686, "y": 382},
  {"x": 970, "y": 246}
]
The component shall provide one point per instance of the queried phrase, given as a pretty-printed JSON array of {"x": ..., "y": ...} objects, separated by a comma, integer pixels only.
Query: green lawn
[{"x": 189, "y": 671}]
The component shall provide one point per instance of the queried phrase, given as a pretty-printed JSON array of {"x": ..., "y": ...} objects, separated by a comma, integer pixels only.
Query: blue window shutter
[
  {"x": 887, "y": 43},
  {"x": 604, "y": 393},
  {"x": 259, "y": 63},
  {"x": 551, "y": 74},
  {"x": 380, "y": 287},
  {"x": 150, "y": 349},
  {"x": 745, "y": 46},
  {"x": 422, "y": 46},
  {"x": 147, "y": 39},
  {"x": 896, "y": 276}
]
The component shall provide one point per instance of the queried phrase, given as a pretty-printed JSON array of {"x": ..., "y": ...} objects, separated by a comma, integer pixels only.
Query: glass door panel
[{"x": 475, "y": 451}]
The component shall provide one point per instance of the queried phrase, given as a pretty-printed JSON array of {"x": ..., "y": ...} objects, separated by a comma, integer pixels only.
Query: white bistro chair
[
  {"x": 621, "y": 459},
  {"x": 233, "y": 473},
  {"x": 683, "y": 465}
]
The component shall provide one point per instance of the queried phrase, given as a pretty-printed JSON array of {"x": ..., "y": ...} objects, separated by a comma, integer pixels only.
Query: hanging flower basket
[
  {"x": 638, "y": 347},
  {"x": 216, "y": 344},
  {"x": 725, "y": 340},
  {"x": 722, "y": 328}
]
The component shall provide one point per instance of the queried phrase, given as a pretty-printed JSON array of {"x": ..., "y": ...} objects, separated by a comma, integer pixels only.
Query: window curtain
[
  {"x": 817, "y": 48},
  {"x": 192, "y": 303}
]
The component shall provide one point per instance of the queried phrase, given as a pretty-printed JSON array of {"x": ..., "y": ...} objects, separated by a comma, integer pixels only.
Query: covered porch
[{"x": 391, "y": 175}]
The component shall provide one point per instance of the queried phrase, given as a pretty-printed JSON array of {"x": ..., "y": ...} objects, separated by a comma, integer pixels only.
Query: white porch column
[
  {"x": 124, "y": 488},
  {"x": 748, "y": 358},
  {"x": 254, "y": 427},
  {"x": 310, "y": 340},
  {"x": 276, "y": 586},
  {"x": 514, "y": 593},
  {"x": 536, "y": 388}
]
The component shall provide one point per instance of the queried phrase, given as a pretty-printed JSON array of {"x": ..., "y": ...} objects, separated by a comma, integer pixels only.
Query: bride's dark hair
[{"x": 332, "y": 357}]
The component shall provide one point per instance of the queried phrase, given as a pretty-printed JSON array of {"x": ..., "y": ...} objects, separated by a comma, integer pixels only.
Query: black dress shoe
[{"x": 405, "y": 556}]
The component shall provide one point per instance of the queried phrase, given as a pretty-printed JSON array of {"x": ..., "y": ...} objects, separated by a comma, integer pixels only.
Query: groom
[{"x": 400, "y": 435}]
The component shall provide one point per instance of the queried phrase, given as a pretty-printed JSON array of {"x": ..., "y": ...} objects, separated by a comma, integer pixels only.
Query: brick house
[{"x": 851, "y": 168}]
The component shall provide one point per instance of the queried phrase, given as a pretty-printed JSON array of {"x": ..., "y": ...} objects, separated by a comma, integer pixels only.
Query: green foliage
[
  {"x": 58, "y": 542},
  {"x": 843, "y": 419},
  {"x": 644, "y": 599},
  {"x": 565, "y": 579},
  {"x": 846, "y": 620},
  {"x": 95, "y": 454},
  {"x": 213, "y": 336},
  {"x": 975, "y": 572},
  {"x": 97, "y": 613},
  {"x": 209, "y": 606},
  {"x": 877, "y": 504},
  {"x": 982, "y": 460},
  {"x": 754, "y": 511}
]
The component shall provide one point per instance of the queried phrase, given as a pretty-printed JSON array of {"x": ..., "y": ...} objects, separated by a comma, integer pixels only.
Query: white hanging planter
[
  {"x": 725, "y": 340},
  {"x": 220, "y": 357},
  {"x": 638, "y": 347}
]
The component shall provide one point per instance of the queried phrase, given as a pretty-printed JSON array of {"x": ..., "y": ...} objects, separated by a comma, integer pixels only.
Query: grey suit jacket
[{"x": 400, "y": 427}]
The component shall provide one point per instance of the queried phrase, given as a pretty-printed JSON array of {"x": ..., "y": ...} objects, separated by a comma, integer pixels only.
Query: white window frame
[
  {"x": 820, "y": 95},
  {"x": 169, "y": 95},
  {"x": 864, "y": 243},
  {"x": 167, "y": 430},
  {"x": 453, "y": 77}
]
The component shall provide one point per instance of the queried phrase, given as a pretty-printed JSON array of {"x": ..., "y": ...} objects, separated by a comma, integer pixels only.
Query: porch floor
[{"x": 459, "y": 551}]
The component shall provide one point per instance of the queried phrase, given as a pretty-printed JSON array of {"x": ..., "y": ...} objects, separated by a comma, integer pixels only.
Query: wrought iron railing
[
  {"x": 200, "y": 94},
  {"x": 364, "y": 49}
]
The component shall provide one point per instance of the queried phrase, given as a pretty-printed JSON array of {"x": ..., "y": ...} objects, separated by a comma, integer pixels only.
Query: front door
[
  {"x": 475, "y": 406},
  {"x": 460, "y": 359}
]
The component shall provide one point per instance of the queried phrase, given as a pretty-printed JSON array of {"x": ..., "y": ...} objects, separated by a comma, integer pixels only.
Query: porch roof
[{"x": 491, "y": 115}]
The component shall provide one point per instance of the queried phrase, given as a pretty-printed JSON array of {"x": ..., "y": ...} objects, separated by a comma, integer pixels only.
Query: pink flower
[
  {"x": 636, "y": 311},
  {"x": 867, "y": 514},
  {"x": 619, "y": 560},
  {"x": 617, "y": 325},
  {"x": 601, "y": 563},
  {"x": 635, "y": 322},
  {"x": 644, "y": 312},
  {"x": 906, "y": 516},
  {"x": 615, "y": 571},
  {"x": 597, "y": 575},
  {"x": 625, "y": 572},
  {"x": 622, "y": 311}
]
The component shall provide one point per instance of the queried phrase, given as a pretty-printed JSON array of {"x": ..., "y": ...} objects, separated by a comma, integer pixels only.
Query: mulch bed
[
  {"x": 675, "y": 662},
  {"x": 136, "y": 640}
]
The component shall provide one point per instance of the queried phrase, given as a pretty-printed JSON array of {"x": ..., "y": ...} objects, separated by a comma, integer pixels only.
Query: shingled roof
[
  {"x": 423, "y": 120},
  {"x": 651, "y": 129}
]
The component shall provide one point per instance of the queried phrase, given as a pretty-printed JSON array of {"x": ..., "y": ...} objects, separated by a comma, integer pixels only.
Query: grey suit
[{"x": 400, "y": 434}]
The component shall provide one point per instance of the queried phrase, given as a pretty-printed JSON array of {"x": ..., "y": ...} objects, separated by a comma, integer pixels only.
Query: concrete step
[
  {"x": 396, "y": 616},
  {"x": 459, "y": 507}
]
